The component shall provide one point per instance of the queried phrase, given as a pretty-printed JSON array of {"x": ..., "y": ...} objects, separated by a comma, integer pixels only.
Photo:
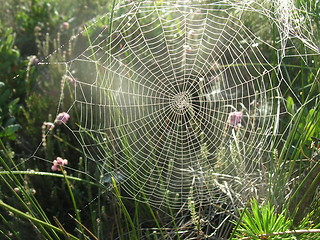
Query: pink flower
[
  {"x": 35, "y": 61},
  {"x": 57, "y": 163},
  {"x": 65, "y": 26},
  {"x": 62, "y": 118},
  {"x": 234, "y": 118},
  {"x": 47, "y": 126}
]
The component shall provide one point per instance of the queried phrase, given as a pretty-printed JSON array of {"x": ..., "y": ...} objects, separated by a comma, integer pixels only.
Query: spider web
[{"x": 180, "y": 101}]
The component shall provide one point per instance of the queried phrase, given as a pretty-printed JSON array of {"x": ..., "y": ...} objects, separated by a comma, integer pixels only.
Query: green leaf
[
  {"x": 9, "y": 131},
  {"x": 290, "y": 105}
]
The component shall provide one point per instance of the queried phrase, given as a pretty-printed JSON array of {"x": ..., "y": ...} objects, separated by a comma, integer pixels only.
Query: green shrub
[{"x": 12, "y": 85}]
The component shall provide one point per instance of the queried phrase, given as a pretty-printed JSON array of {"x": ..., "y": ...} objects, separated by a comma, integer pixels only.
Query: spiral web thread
[{"x": 182, "y": 103}]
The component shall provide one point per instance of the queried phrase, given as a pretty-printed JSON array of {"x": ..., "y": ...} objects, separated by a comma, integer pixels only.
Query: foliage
[
  {"x": 29, "y": 31},
  {"x": 260, "y": 220},
  {"x": 12, "y": 87}
]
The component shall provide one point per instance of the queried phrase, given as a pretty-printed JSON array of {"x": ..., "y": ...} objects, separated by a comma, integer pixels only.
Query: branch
[{"x": 302, "y": 231}]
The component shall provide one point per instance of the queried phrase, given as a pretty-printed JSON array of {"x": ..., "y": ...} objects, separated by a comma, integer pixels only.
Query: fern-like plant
[{"x": 262, "y": 222}]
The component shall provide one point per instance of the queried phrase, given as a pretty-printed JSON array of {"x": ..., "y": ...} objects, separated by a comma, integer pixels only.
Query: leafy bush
[{"x": 12, "y": 85}]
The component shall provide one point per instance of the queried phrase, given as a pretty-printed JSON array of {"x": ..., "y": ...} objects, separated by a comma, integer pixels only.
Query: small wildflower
[
  {"x": 65, "y": 25},
  {"x": 47, "y": 126},
  {"x": 70, "y": 80},
  {"x": 234, "y": 118},
  {"x": 35, "y": 61},
  {"x": 57, "y": 163},
  {"x": 32, "y": 191},
  {"x": 37, "y": 29},
  {"x": 62, "y": 118}
]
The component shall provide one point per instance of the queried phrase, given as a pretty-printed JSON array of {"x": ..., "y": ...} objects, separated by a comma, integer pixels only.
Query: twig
[
  {"x": 85, "y": 228},
  {"x": 302, "y": 231}
]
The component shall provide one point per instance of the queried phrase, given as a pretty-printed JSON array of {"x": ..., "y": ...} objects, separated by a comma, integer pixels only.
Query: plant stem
[
  {"x": 74, "y": 203},
  {"x": 265, "y": 236},
  {"x": 48, "y": 174},
  {"x": 33, "y": 219}
]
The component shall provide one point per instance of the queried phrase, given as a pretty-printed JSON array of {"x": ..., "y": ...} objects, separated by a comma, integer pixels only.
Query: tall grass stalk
[
  {"x": 128, "y": 220},
  {"x": 38, "y": 222},
  {"x": 74, "y": 203},
  {"x": 290, "y": 152},
  {"x": 35, "y": 208}
]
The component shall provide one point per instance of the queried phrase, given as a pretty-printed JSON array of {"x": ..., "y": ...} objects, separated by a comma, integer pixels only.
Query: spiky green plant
[{"x": 262, "y": 221}]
